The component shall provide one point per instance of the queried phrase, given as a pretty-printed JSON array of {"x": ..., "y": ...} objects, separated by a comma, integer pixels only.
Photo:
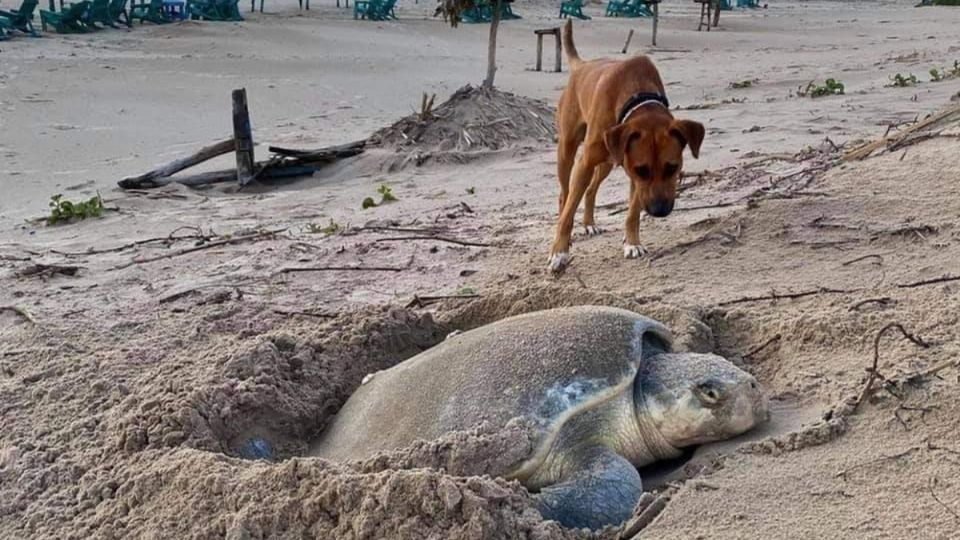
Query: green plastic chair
[
  {"x": 628, "y": 8},
  {"x": 98, "y": 13},
  {"x": 481, "y": 12},
  {"x": 374, "y": 10},
  {"x": 69, "y": 20},
  {"x": 618, "y": 8},
  {"x": 214, "y": 10},
  {"x": 506, "y": 11},
  {"x": 20, "y": 19},
  {"x": 573, "y": 8},
  {"x": 151, "y": 11},
  {"x": 5, "y": 30},
  {"x": 118, "y": 13}
]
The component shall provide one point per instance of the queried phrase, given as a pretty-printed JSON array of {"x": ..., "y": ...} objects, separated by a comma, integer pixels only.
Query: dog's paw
[
  {"x": 592, "y": 230},
  {"x": 633, "y": 252},
  {"x": 558, "y": 262}
]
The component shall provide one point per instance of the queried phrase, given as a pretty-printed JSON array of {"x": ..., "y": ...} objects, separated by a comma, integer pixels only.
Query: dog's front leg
[{"x": 632, "y": 248}]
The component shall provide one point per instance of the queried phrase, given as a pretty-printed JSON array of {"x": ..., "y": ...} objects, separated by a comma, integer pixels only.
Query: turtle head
[{"x": 697, "y": 398}]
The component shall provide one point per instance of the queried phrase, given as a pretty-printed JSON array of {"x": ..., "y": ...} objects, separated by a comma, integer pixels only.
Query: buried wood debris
[{"x": 285, "y": 162}]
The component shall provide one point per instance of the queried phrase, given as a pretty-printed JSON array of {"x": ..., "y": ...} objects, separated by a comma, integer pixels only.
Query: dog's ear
[
  {"x": 617, "y": 138},
  {"x": 689, "y": 133}
]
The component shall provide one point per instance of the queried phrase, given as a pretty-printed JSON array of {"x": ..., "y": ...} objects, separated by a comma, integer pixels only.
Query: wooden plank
[
  {"x": 159, "y": 176},
  {"x": 243, "y": 136},
  {"x": 227, "y": 175},
  {"x": 539, "y": 51},
  {"x": 329, "y": 153},
  {"x": 559, "y": 51}
]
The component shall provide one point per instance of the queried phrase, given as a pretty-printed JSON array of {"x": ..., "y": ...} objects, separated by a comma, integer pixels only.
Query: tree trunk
[{"x": 492, "y": 45}]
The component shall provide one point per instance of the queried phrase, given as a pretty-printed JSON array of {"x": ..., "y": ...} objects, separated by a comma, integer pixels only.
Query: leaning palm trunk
[{"x": 492, "y": 45}]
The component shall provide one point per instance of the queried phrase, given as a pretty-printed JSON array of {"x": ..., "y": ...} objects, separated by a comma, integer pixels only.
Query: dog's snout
[{"x": 660, "y": 208}]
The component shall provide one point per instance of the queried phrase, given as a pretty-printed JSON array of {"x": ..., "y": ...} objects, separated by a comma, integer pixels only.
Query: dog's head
[{"x": 650, "y": 149}]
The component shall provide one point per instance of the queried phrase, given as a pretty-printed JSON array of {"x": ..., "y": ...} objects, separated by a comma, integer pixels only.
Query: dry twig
[
  {"x": 232, "y": 240},
  {"x": 882, "y": 301},
  {"x": 874, "y": 373},
  {"x": 424, "y": 301},
  {"x": 291, "y": 269},
  {"x": 21, "y": 312},
  {"x": 775, "y": 296},
  {"x": 763, "y": 346},
  {"x": 435, "y": 238},
  {"x": 953, "y": 512}
]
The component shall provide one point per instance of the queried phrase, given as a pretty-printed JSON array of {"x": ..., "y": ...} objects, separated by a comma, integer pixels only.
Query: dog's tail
[{"x": 573, "y": 57}]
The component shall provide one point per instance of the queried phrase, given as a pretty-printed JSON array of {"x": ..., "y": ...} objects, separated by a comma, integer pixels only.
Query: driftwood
[
  {"x": 892, "y": 140},
  {"x": 291, "y": 163},
  {"x": 286, "y": 163},
  {"x": 323, "y": 155},
  {"x": 161, "y": 175},
  {"x": 229, "y": 175}
]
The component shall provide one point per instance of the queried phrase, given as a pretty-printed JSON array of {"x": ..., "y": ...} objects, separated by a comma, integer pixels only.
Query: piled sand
[
  {"x": 472, "y": 123},
  {"x": 473, "y": 117}
]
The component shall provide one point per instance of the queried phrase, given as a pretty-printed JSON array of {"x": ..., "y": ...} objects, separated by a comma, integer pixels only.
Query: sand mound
[
  {"x": 474, "y": 120},
  {"x": 216, "y": 453},
  {"x": 266, "y": 397},
  {"x": 191, "y": 494}
]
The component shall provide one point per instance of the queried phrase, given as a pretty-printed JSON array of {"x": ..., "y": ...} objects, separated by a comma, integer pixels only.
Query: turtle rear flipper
[{"x": 602, "y": 489}]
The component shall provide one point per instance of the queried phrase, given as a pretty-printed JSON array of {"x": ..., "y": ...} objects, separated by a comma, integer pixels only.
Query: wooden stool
[
  {"x": 540, "y": 34},
  {"x": 706, "y": 14}
]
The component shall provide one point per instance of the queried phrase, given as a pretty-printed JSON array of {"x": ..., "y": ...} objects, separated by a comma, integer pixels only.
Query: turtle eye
[{"x": 711, "y": 393}]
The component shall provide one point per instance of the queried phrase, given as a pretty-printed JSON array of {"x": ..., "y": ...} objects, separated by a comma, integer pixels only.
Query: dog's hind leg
[
  {"x": 566, "y": 156},
  {"x": 600, "y": 173},
  {"x": 580, "y": 180},
  {"x": 571, "y": 131}
]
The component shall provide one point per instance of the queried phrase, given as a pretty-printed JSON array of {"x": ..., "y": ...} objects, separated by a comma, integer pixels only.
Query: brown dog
[{"x": 619, "y": 112}]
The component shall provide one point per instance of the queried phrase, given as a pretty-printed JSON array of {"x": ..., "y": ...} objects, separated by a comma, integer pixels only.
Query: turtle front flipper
[{"x": 601, "y": 489}]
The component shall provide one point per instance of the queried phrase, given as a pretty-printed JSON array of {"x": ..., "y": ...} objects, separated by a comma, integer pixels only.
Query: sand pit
[{"x": 150, "y": 392}]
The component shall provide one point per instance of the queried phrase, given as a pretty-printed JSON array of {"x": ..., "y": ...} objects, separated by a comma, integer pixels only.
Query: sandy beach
[{"x": 185, "y": 323}]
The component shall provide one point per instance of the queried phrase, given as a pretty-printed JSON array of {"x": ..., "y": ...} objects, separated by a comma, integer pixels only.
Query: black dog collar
[{"x": 638, "y": 100}]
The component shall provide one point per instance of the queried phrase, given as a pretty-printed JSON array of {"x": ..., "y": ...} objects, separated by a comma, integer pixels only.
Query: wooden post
[
  {"x": 559, "y": 51},
  {"x": 656, "y": 20},
  {"x": 243, "y": 137},
  {"x": 627, "y": 44},
  {"x": 539, "y": 52}
]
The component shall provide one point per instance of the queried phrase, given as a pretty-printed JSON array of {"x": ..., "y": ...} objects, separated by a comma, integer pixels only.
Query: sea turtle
[{"x": 600, "y": 384}]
